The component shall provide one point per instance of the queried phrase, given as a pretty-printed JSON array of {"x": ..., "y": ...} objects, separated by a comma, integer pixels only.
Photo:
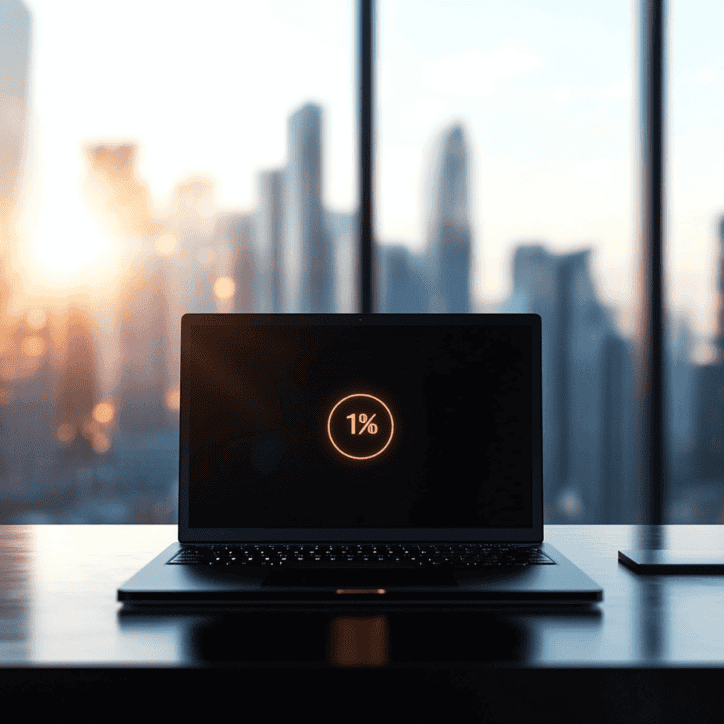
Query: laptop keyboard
[{"x": 296, "y": 555}]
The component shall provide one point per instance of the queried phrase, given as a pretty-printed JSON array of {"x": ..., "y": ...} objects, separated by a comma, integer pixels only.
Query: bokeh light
[
  {"x": 66, "y": 432},
  {"x": 33, "y": 345},
  {"x": 173, "y": 399},
  {"x": 101, "y": 444},
  {"x": 103, "y": 412},
  {"x": 224, "y": 288}
]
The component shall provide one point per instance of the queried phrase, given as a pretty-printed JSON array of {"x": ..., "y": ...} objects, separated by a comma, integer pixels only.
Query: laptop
[{"x": 382, "y": 459}]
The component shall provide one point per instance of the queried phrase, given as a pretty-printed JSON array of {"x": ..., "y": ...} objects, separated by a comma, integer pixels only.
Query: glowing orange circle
[{"x": 355, "y": 457}]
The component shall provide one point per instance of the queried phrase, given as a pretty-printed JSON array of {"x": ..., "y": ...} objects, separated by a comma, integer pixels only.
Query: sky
[{"x": 546, "y": 93}]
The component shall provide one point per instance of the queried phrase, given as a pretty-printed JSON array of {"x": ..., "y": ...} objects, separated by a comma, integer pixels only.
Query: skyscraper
[
  {"x": 14, "y": 66},
  {"x": 270, "y": 229},
  {"x": 237, "y": 232},
  {"x": 681, "y": 377},
  {"x": 144, "y": 342},
  {"x": 719, "y": 333},
  {"x": 617, "y": 498},
  {"x": 29, "y": 444},
  {"x": 448, "y": 233},
  {"x": 536, "y": 289},
  {"x": 14, "y": 58},
  {"x": 342, "y": 228},
  {"x": 121, "y": 196},
  {"x": 193, "y": 226},
  {"x": 78, "y": 393},
  {"x": 709, "y": 393},
  {"x": 579, "y": 338},
  {"x": 401, "y": 282},
  {"x": 307, "y": 261}
]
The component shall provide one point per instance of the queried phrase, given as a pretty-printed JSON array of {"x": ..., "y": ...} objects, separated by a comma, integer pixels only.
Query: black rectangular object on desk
[{"x": 673, "y": 561}]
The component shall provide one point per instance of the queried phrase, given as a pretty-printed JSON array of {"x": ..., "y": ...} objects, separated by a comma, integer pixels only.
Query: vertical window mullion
[
  {"x": 365, "y": 60},
  {"x": 650, "y": 331}
]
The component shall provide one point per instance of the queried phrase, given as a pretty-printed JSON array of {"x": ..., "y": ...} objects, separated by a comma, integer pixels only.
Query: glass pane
[
  {"x": 160, "y": 158},
  {"x": 506, "y": 181},
  {"x": 695, "y": 263}
]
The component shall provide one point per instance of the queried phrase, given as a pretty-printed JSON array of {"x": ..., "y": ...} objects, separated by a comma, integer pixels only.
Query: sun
[
  {"x": 70, "y": 252},
  {"x": 67, "y": 253}
]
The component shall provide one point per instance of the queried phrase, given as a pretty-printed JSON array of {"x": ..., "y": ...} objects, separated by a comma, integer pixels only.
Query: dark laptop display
[{"x": 323, "y": 427}]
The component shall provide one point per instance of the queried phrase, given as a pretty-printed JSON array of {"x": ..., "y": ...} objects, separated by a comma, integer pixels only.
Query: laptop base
[{"x": 161, "y": 584}]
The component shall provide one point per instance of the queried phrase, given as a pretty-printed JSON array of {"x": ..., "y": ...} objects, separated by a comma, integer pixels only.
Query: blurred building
[
  {"x": 143, "y": 304},
  {"x": 342, "y": 229},
  {"x": 188, "y": 248},
  {"x": 270, "y": 230},
  {"x": 617, "y": 456},
  {"x": 307, "y": 259},
  {"x": 588, "y": 452},
  {"x": 15, "y": 27},
  {"x": 680, "y": 398},
  {"x": 14, "y": 60},
  {"x": 30, "y": 370},
  {"x": 401, "y": 279},
  {"x": 449, "y": 232},
  {"x": 191, "y": 230},
  {"x": 78, "y": 393},
  {"x": 708, "y": 455},
  {"x": 238, "y": 234},
  {"x": 122, "y": 197},
  {"x": 144, "y": 340}
]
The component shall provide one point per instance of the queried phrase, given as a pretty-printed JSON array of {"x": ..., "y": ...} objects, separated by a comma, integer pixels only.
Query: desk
[{"x": 653, "y": 649}]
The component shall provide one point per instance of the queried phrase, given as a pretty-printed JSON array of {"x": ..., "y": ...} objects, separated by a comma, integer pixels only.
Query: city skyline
[
  {"x": 543, "y": 130},
  {"x": 90, "y": 349},
  {"x": 586, "y": 361}
]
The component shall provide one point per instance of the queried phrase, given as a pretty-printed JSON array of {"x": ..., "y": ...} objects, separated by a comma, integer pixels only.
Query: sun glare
[
  {"x": 67, "y": 246},
  {"x": 69, "y": 253}
]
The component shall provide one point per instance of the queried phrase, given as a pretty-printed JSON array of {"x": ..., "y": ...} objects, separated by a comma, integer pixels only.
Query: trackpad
[{"x": 360, "y": 578}]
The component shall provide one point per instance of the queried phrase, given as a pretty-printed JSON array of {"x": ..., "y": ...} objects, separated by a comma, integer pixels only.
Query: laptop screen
[{"x": 349, "y": 422}]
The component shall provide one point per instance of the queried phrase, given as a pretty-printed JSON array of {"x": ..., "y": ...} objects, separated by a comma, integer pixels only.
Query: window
[
  {"x": 506, "y": 172},
  {"x": 694, "y": 264},
  {"x": 156, "y": 156},
  {"x": 159, "y": 160}
]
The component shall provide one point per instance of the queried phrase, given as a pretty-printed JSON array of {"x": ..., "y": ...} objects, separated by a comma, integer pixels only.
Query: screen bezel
[{"x": 533, "y": 534}]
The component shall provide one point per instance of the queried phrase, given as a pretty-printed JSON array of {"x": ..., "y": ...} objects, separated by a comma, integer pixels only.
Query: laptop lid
[{"x": 356, "y": 428}]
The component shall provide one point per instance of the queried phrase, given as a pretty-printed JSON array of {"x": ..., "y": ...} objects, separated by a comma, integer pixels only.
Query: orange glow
[
  {"x": 103, "y": 412},
  {"x": 101, "y": 444},
  {"x": 173, "y": 399},
  {"x": 8, "y": 369},
  {"x": 90, "y": 427},
  {"x": 224, "y": 288},
  {"x": 36, "y": 318},
  {"x": 361, "y": 590},
  {"x": 357, "y": 457},
  {"x": 166, "y": 244},
  {"x": 66, "y": 432},
  {"x": 362, "y": 641},
  {"x": 5, "y": 396},
  {"x": 33, "y": 346}
]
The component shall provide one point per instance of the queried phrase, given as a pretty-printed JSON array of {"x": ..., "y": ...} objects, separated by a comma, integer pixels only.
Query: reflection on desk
[{"x": 58, "y": 607}]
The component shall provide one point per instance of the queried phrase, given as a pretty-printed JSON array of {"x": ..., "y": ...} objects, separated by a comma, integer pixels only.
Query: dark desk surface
[{"x": 58, "y": 608}]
